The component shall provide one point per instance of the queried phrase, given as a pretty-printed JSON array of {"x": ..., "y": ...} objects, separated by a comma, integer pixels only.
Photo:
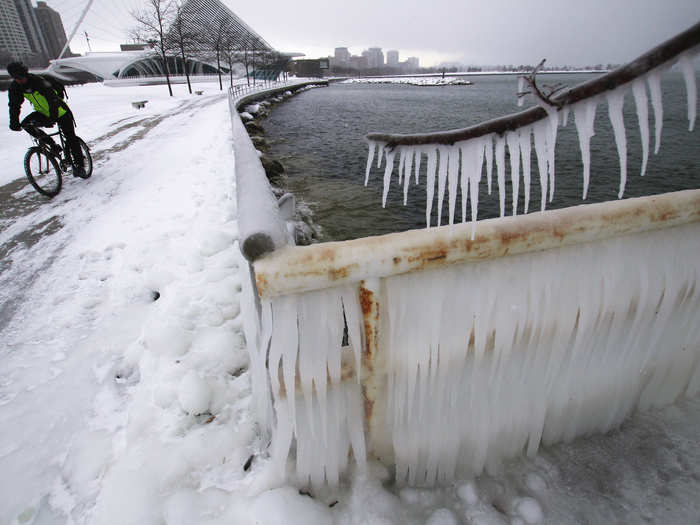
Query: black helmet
[{"x": 17, "y": 69}]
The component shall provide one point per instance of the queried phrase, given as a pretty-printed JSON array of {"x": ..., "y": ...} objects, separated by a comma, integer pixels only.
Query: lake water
[{"x": 319, "y": 137}]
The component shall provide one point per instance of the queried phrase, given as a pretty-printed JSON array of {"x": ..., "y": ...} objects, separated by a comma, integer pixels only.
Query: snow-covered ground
[{"x": 124, "y": 391}]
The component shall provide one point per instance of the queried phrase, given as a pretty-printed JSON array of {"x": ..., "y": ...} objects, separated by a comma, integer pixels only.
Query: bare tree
[
  {"x": 183, "y": 36},
  {"x": 214, "y": 37},
  {"x": 153, "y": 21}
]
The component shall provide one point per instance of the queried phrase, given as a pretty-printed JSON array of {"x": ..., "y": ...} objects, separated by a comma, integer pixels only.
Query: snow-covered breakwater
[{"x": 411, "y": 81}]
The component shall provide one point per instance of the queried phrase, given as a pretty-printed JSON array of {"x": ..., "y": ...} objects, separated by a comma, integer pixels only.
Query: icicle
[
  {"x": 430, "y": 184},
  {"x": 501, "y": 169},
  {"x": 521, "y": 89},
  {"x": 464, "y": 179},
  {"x": 551, "y": 146},
  {"x": 688, "y": 70},
  {"x": 370, "y": 158},
  {"x": 472, "y": 159},
  {"x": 584, "y": 115},
  {"x": 525, "y": 151},
  {"x": 407, "y": 176},
  {"x": 442, "y": 180},
  {"x": 453, "y": 178},
  {"x": 513, "y": 140},
  {"x": 540, "y": 131},
  {"x": 616, "y": 100},
  {"x": 565, "y": 116},
  {"x": 488, "y": 151},
  {"x": 402, "y": 160},
  {"x": 419, "y": 154},
  {"x": 642, "y": 103},
  {"x": 387, "y": 174},
  {"x": 380, "y": 155},
  {"x": 654, "y": 80}
]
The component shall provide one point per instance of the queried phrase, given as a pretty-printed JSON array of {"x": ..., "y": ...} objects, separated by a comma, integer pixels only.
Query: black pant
[{"x": 36, "y": 120}]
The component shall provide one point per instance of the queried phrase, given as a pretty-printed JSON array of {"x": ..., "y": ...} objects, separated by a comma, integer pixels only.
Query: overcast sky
[{"x": 478, "y": 32}]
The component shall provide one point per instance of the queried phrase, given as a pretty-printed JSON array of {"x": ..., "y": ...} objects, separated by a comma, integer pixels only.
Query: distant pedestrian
[{"x": 49, "y": 108}]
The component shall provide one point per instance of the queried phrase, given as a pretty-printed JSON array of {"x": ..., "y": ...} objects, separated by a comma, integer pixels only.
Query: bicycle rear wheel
[
  {"x": 43, "y": 172},
  {"x": 87, "y": 158}
]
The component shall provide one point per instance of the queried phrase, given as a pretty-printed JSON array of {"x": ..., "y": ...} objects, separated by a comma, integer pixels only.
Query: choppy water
[{"x": 318, "y": 136}]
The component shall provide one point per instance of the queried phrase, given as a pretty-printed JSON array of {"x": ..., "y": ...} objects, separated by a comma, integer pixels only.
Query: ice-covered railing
[
  {"x": 444, "y": 351},
  {"x": 460, "y": 353},
  {"x": 456, "y": 157}
]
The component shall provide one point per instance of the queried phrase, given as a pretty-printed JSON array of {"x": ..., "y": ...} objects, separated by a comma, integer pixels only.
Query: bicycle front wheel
[{"x": 43, "y": 172}]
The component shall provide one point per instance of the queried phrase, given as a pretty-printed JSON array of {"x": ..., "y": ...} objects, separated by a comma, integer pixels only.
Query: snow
[{"x": 411, "y": 81}]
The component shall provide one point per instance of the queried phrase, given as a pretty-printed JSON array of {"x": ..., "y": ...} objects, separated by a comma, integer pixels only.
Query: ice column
[
  {"x": 513, "y": 140},
  {"x": 686, "y": 63},
  {"x": 642, "y": 104},
  {"x": 654, "y": 80},
  {"x": 314, "y": 408},
  {"x": 616, "y": 100},
  {"x": 584, "y": 115}
]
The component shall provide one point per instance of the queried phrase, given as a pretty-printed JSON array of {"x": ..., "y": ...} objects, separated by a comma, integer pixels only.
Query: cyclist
[{"x": 49, "y": 108}]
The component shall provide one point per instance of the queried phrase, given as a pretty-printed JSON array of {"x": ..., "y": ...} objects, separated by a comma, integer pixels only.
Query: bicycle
[{"x": 44, "y": 169}]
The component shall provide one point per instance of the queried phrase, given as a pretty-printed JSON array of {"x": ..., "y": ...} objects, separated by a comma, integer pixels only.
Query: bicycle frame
[{"x": 64, "y": 158}]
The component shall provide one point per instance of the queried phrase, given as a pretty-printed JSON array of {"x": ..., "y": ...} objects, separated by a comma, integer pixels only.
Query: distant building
[
  {"x": 137, "y": 61},
  {"x": 19, "y": 32},
  {"x": 375, "y": 57},
  {"x": 134, "y": 47},
  {"x": 412, "y": 63},
  {"x": 392, "y": 58},
  {"x": 52, "y": 29},
  {"x": 342, "y": 56},
  {"x": 358, "y": 62}
]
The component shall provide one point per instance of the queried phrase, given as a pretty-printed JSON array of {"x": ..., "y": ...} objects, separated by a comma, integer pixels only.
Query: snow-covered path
[{"x": 79, "y": 280}]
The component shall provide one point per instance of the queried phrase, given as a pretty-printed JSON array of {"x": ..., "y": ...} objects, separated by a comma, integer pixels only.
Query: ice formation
[
  {"x": 443, "y": 160},
  {"x": 615, "y": 102},
  {"x": 569, "y": 354},
  {"x": 642, "y": 103},
  {"x": 304, "y": 370},
  {"x": 479, "y": 374}
]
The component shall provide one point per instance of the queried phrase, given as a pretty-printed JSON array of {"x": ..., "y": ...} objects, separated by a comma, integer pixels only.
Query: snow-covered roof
[{"x": 106, "y": 65}]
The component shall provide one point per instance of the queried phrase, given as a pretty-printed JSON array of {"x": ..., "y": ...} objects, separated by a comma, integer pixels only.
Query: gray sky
[{"x": 479, "y": 32}]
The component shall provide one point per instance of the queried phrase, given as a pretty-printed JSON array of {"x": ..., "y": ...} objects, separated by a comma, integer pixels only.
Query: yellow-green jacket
[{"x": 39, "y": 92}]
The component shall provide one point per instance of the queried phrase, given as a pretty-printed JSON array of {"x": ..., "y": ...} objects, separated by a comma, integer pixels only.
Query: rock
[
  {"x": 273, "y": 169},
  {"x": 253, "y": 128},
  {"x": 259, "y": 142}
]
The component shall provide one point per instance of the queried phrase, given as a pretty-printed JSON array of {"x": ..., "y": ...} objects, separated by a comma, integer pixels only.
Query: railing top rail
[
  {"x": 665, "y": 52},
  {"x": 296, "y": 269}
]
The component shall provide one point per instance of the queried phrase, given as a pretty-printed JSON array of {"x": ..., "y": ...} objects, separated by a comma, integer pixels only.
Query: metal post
[{"x": 373, "y": 376}]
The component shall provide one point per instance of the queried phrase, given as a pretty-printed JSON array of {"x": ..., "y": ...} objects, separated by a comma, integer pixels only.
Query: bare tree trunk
[
  {"x": 218, "y": 69},
  {"x": 167, "y": 74},
  {"x": 184, "y": 65}
]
